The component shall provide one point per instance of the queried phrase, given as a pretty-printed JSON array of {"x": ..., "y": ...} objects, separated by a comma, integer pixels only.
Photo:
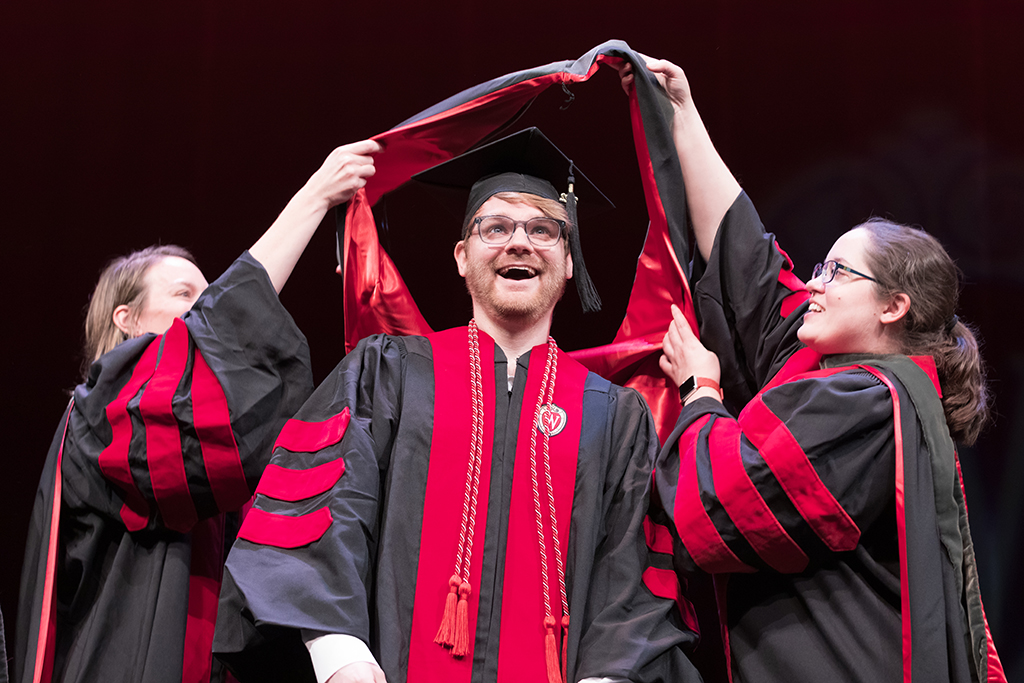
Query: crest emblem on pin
[{"x": 551, "y": 419}]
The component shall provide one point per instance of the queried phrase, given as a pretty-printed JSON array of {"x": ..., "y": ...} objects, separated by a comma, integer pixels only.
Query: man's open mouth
[{"x": 517, "y": 273}]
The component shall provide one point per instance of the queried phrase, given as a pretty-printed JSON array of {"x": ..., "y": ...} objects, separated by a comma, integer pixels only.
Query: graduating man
[{"x": 466, "y": 505}]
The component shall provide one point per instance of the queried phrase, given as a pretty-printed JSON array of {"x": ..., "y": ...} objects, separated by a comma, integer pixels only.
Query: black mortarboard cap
[{"x": 525, "y": 162}]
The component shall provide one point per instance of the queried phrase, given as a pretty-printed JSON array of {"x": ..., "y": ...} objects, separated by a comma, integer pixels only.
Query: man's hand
[
  {"x": 358, "y": 672},
  {"x": 343, "y": 173},
  {"x": 685, "y": 356}
]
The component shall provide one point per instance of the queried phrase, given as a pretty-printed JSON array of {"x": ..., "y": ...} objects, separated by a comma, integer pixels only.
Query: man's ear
[
  {"x": 460, "y": 256},
  {"x": 896, "y": 309},
  {"x": 568, "y": 266},
  {"x": 122, "y": 318}
]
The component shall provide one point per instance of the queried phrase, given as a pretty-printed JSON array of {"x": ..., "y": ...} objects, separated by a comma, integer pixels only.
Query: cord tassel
[
  {"x": 446, "y": 632},
  {"x": 565, "y": 647},
  {"x": 551, "y": 651},
  {"x": 453, "y": 632},
  {"x": 589, "y": 297},
  {"x": 460, "y": 648}
]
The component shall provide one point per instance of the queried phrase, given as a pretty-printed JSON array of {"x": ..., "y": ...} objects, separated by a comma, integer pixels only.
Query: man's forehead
[{"x": 517, "y": 202}]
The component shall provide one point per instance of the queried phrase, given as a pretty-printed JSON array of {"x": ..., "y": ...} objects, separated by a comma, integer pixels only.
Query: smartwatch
[{"x": 693, "y": 383}]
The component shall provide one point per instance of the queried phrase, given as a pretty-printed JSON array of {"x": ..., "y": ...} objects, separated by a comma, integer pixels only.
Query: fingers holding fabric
[
  {"x": 344, "y": 172},
  {"x": 683, "y": 354}
]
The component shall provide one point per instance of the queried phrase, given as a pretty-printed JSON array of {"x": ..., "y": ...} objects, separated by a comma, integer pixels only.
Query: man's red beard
[{"x": 481, "y": 282}]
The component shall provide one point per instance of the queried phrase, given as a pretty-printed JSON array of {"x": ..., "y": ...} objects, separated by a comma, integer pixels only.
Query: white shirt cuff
[{"x": 333, "y": 651}]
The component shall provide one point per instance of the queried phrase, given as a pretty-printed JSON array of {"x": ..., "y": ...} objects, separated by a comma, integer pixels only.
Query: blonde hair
[{"x": 122, "y": 283}]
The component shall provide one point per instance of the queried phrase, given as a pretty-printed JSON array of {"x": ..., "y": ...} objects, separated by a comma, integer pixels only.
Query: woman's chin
[
  {"x": 808, "y": 338},
  {"x": 804, "y": 335}
]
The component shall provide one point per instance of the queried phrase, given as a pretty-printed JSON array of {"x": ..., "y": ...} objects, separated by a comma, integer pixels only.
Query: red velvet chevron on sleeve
[
  {"x": 746, "y": 507},
  {"x": 292, "y": 485},
  {"x": 697, "y": 531},
  {"x": 305, "y": 437},
  {"x": 285, "y": 531},
  {"x": 788, "y": 462}
]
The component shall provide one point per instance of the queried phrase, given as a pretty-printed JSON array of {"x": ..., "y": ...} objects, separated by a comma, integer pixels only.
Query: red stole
[{"x": 521, "y": 655}]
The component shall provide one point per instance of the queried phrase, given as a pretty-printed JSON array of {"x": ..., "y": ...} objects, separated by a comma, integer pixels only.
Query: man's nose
[{"x": 519, "y": 242}]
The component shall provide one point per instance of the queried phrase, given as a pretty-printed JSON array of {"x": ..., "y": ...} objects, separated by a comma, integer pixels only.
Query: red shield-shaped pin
[{"x": 551, "y": 419}]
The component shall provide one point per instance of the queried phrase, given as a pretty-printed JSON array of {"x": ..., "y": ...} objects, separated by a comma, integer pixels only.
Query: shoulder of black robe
[
  {"x": 748, "y": 302},
  {"x": 232, "y": 371},
  {"x": 270, "y": 593}
]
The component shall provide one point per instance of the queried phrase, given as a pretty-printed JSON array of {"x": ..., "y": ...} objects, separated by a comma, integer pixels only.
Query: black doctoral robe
[
  {"x": 355, "y": 525},
  {"x": 168, "y": 435},
  {"x": 3, "y": 652},
  {"x": 831, "y": 510}
]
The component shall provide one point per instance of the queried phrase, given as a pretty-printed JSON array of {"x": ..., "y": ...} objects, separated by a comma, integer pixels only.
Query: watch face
[{"x": 687, "y": 387}]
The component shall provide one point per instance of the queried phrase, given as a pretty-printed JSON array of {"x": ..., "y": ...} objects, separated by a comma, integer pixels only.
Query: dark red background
[{"x": 124, "y": 124}]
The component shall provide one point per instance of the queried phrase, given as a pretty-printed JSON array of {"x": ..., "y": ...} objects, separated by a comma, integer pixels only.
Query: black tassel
[{"x": 589, "y": 297}]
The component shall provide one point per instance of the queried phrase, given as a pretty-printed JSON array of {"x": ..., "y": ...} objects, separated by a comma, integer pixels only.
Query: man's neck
[{"x": 515, "y": 337}]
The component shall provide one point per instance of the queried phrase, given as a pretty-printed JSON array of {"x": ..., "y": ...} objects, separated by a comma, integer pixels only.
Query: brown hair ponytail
[{"x": 908, "y": 260}]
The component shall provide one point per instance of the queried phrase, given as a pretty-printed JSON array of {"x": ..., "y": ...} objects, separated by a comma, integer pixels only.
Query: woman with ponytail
[{"x": 813, "y": 469}]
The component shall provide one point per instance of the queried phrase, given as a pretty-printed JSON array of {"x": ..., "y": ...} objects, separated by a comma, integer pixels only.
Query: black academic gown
[
  {"x": 3, "y": 652},
  {"x": 168, "y": 434},
  {"x": 377, "y": 568},
  {"x": 838, "y": 534}
]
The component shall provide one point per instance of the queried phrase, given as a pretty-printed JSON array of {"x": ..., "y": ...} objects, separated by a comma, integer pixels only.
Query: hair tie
[{"x": 951, "y": 323}]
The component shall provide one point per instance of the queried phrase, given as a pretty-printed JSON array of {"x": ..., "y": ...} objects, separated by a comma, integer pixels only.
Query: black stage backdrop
[{"x": 124, "y": 123}]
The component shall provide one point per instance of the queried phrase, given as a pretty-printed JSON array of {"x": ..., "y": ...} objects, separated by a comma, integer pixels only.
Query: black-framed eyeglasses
[
  {"x": 497, "y": 231},
  {"x": 827, "y": 270}
]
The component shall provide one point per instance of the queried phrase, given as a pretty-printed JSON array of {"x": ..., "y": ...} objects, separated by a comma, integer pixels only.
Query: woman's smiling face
[{"x": 846, "y": 315}]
